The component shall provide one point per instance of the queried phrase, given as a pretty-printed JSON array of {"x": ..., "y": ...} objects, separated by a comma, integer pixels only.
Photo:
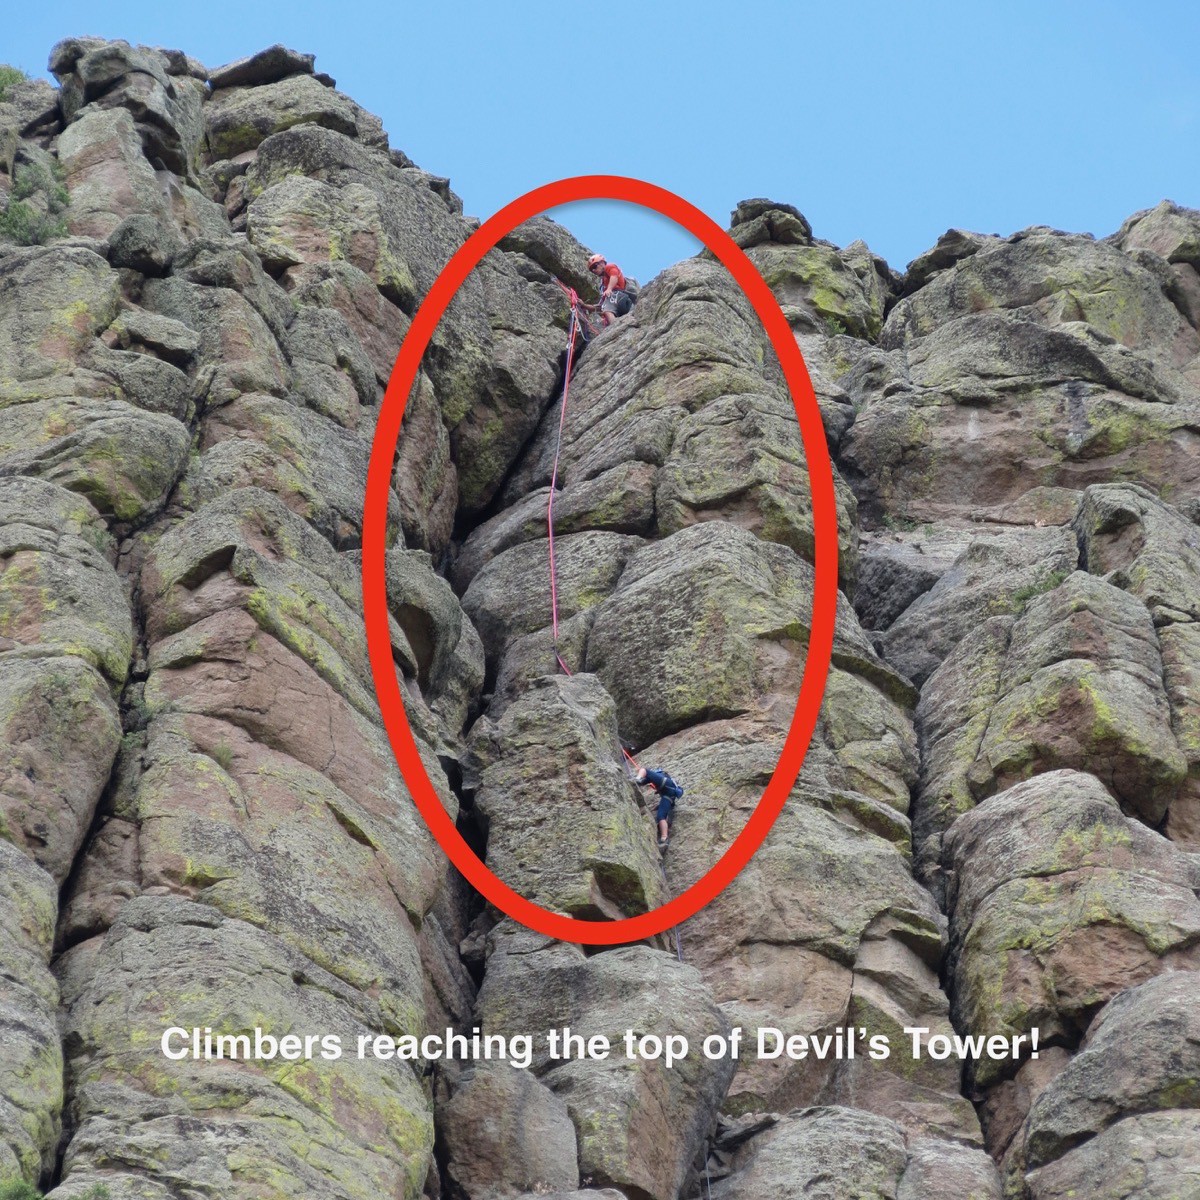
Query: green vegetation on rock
[
  {"x": 8, "y": 77},
  {"x": 34, "y": 215}
]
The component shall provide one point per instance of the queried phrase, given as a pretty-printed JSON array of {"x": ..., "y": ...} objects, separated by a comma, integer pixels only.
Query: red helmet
[{"x": 595, "y": 261}]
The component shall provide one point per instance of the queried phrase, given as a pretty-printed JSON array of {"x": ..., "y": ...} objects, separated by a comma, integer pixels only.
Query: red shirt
[{"x": 613, "y": 272}]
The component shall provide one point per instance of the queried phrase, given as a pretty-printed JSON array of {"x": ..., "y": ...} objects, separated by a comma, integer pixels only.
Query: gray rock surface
[{"x": 1138, "y": 1061}]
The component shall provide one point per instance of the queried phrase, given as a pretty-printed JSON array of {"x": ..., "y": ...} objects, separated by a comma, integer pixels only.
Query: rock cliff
[{"x": 205, "y": 276}]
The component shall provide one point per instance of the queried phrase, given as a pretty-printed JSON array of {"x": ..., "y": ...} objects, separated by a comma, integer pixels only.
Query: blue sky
[{"x": 890, "y": 122}]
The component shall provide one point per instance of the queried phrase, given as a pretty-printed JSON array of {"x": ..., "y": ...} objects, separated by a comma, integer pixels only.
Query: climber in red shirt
[{"x": 615, "y": 301}]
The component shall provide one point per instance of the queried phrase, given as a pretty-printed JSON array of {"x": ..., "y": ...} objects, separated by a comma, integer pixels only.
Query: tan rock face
[
  {"x": 1058, "y": 902},
  {"x": 1138, "y": 1062},
  {"x": 529, "y": 979},
  {"x": 1043, "y": 360},
  {"x": 252, "y": 813},
  {"x": 562, "y": 819},
  {"x": 688, "y": 384},
  {"x": 201, "y": 819}
]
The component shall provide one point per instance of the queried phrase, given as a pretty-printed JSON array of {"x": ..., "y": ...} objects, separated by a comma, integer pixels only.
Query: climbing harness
[{"x": 576, "y": 324}]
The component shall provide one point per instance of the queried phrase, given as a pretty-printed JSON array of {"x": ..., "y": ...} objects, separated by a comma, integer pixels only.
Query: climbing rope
[
  {"x": 573, "y": 329},
  {"x": 576, "y": 324}
]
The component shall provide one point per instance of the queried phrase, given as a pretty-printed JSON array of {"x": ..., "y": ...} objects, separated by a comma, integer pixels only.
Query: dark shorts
[
  {"x": 617, "y": 303},
  {"x": 666, "y": 806}
]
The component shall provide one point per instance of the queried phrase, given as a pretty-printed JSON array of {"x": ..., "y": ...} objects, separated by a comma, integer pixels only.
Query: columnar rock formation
[{"x": 205, "y": 277}]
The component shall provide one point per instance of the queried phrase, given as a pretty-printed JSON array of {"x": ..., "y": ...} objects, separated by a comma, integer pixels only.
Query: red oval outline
[{"x": 374, "y": 579}]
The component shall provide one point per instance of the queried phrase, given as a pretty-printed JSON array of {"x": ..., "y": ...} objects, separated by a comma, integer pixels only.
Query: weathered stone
[
  {"x": 365, "y": 855},
  {"x": 821, "y": 285},
  {"x": 28, "y": 107},
  {"x": 619, "y": 501},
  {"x": 1140, "y": 1058},
  {"x": 348, "y": 1127},
  {"x": 145, "y": 332},
  {"x": 301, "y": 220},
  {"x": 124, "y": 460},
  {"x": 107, "y": 873},
  {"x": 238, "y": 119},
  {"x": 1167, "y": 229},
  {"x": 1061, "y": 278},
  {"x": 508, "y": 598},
  {"x": 1058, "y": 902},
  {"x": 754, "y": 222},
  {"x": 437, "y": 632},
  {"x": 952, "y": 247},
  {"x": 1045, "y": 360},
  {"x": 267, "y": 66},
  {"x": 144, "y": 242},
  {"x": 719, "y": 423},
  {"x": 553, "y": 248},
  {"x": 251, "y": 550},
  {"x": 824, "y": 929},
  {"x": 68, "y": 296},
  {"x": 377, "y": 323},
  {"x": 114, "y": 76},
  {"x": 564, "y": 826},
  {"x": 1081, "y": 686},
  {"x": 334, "y": 376},
  {"x": 836, "y": 1153},
  {"x": 994, "y": 576},
  {"x": 1181, "y": 679},
  {"x": 897, "y": 567},
  {"x": 313, "y": 464},
  {"x": 506, "y": 1132},
  {"x": 639, "y": 1124},
  {"x": 944, "y": 1168},
  {"x": 1149, "y": 1156},
  {"x": 1007, "y": 1103},
  {"x": 952, "y": 718},
  {"x": 31, "y": 1059},
  {"x": 492, "y": 357},
  {"x": 58, "y": 593},
  {"x": 106, "y": 173},
  {"x": 238, "y": 354},
  {"x": 826, "y": 1152},
  {"x": 1144, "y": 546},
  {"x": 224, "y": 263},
  {"x": 711, "y": 623},
  {"x": 59, "y": 730}
]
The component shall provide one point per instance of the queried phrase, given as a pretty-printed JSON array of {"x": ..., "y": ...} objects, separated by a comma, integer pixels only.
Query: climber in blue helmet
[{"x": 668, "y": 792}]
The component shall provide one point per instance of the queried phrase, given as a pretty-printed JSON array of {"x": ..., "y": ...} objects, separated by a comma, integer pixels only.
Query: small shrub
[
  {"x": 25, "y": 223},
  {"x": 9, "y": 76},
  {"x": 18, "y": 1189},
  {"x": 899, "y": 524},
  {"x": 1021, "y": 597}
]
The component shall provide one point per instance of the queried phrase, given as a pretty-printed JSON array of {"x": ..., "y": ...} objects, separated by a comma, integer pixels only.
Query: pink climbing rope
[{"x": 572, "y": 334}]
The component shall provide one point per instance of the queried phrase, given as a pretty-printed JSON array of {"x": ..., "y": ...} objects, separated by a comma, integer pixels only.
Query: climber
[
  {"x": 615, "y": 301},
  {"x": 668, "y": 792}
]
